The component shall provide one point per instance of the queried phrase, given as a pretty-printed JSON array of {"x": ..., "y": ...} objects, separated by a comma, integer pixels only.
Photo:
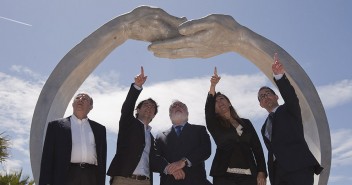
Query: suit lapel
[
  {"x": 67, "y": 133},
  {"x": 169, "y": 131},
  {"x": 266, "y": 140},
  {"x": 185, "y": 130},
  {"x": 171, "y": 137},
  {"x": 94, "y": 130}
]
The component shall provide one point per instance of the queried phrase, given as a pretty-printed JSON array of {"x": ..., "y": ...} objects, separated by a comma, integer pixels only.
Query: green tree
[
  {"x": 4, "y": 145},
  {"x": 15, "y": 177}
]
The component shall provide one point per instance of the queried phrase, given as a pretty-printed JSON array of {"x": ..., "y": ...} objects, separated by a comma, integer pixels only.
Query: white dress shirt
[
  {"x": 143, "y": 165},
  {"x": 83, "y": 142}
]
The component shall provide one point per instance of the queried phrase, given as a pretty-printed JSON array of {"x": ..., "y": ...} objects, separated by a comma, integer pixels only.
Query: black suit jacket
[
  {"x": 288, "y": 144},
  {"x": 131, "y": 142},
  {"x": 193, "y": 144},
  {"x": 57, "y": 148},
  {"x": 243, "y": 151}
]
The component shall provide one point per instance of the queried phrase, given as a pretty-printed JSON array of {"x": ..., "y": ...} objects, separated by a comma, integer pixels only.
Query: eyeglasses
[{"x": 264, "y": 95}]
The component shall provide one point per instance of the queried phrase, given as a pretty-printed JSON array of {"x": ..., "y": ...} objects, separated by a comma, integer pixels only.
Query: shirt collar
[
  {"x": 183, "y": 124},
  {"x": 274, "y": 110},
  {"x": 146, "y": 127},
  {"x": 78, "y": 120}
]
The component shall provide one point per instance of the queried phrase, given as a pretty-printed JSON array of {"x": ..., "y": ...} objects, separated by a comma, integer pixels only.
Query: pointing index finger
[
  {"x": 276, "y": 57},
  {"x": 142, "y": 71},
  {"x": 215, "y": 72}
]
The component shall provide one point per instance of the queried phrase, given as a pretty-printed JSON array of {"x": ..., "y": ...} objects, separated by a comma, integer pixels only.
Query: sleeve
[
  {"x": 104, "y": 154},
  {"x": 48, "y": 156},
  {"x": 203, "y": 151},
  {"x": 289, "y": 95},
  {"x": 128, "y": 106},
  {"x": 257, "y": 150},
  {"x": 157, "y": 162},
  {"x": 210, "y": 118}
]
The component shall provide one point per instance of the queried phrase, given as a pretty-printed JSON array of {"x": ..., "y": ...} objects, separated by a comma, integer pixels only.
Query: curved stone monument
[{"x": 140, "y": 24}]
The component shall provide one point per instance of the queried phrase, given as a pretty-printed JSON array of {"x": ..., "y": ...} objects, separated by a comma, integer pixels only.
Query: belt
[
  {"x": 239, "y": 171},
  {"x": 138, "y": 177},
  {"x": 83, "y": 165}
]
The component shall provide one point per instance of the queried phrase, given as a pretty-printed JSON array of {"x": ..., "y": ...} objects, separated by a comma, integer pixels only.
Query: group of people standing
[{"x": 74, "y": 151}]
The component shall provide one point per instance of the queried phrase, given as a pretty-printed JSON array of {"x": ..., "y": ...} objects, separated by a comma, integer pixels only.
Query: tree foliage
[
  {"x": 11, "y": 178},
  {"x": 15, "y": 179}
]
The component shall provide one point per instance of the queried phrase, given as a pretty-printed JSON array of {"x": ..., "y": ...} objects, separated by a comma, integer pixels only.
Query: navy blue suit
[
  {"x": 288, "y": 144},
  {"x": 194, "y": 144}
]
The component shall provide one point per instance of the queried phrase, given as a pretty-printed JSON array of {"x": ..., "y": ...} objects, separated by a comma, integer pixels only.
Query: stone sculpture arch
[{"x": 140, "y": 24}]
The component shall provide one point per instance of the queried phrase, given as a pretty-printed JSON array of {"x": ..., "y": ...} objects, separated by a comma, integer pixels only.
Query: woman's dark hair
[{"x": 225, "y": 122}]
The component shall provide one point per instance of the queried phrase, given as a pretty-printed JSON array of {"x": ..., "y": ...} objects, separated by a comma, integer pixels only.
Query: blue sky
[{"x": 35, "y": 35}]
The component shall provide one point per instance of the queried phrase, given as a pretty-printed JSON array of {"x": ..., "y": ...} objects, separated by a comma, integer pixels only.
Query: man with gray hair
[
  {"x": 185, "y": 146},
  {"x": 74, "y": 151}
]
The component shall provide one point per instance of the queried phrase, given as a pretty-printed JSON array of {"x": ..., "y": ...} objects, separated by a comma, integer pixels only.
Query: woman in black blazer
[{"x": 239, "y": 157}]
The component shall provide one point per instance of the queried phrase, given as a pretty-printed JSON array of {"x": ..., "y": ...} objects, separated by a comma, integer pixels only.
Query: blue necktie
[{"x": 178, "y": 130}]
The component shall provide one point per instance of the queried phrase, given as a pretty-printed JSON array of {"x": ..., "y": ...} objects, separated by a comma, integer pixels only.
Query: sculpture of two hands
[{"x": 175, "y": 37}]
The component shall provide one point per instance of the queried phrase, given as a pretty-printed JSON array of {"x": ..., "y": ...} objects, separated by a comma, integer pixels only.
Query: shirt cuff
[
  {"x": 136, "y": 86},
  {"x": 188, "y": 163},
  {"x": 278, "y": 77},
  {"x": 165, "y": 171}
]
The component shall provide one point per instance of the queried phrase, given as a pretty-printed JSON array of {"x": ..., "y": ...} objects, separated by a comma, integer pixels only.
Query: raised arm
[
  {"x": 287, "y": 91},
  {"x": 213, "y": 82},
  {"x": 132, "y": 96}
]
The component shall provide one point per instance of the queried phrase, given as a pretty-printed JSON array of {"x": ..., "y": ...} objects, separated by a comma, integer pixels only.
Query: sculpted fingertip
[
  {"x": 150, "y": 48},
  {"x": 183, "y": 19}
]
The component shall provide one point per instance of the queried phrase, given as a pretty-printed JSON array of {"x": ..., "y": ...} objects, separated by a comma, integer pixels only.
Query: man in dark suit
[
  {"x": 135, "y": 158},
  {"x": 185, "y": 147},
  {"x": 74, "y": 151},
  {"x": 290, "y": 160}
]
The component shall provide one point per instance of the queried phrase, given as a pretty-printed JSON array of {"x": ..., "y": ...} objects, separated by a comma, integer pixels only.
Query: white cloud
[
  {"x": 26, "y": 71},
  {"x": 341, "y": 148},
  {"x": 336, "y": 94},
  {"x": 18, "y": 96},
  {"x": 17, "y": 101},
  {"x": 12, "y": 165},
  {"x": 339, "y": 178}
]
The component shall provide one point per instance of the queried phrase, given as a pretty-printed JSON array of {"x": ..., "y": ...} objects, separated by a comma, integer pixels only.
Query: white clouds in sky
[
  {"x": 19, "y": 94},
  {"x": 336, "y": 94},
  {"x": 341, "y": 147}
]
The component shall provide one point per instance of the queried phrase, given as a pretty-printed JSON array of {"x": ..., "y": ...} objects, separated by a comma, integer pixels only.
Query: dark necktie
[
  {"x": 269, "y": 126},
  {"x": 178, "y": 130}
]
